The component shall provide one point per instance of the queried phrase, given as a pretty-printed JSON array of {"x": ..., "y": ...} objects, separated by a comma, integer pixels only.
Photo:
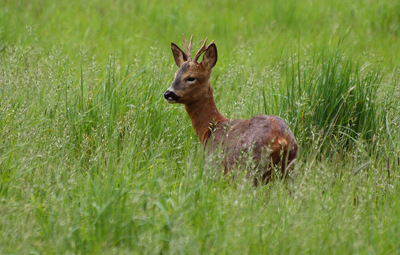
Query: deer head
[{"x": 191, "y": 81}]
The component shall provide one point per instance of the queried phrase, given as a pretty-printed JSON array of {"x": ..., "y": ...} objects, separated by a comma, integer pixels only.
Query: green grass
[{"x": 94, "y": 161}]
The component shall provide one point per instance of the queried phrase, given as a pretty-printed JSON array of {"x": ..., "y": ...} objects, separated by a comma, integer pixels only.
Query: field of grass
[{"x": 94, "y": 161}]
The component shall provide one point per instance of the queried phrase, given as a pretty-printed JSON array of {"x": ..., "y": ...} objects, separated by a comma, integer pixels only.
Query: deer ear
[
  {"x": 210, "y": 57},
  {"x": 179, "y": 56}
]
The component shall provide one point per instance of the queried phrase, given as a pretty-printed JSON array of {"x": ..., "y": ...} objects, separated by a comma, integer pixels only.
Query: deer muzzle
[{"x": 171, "y": 97}]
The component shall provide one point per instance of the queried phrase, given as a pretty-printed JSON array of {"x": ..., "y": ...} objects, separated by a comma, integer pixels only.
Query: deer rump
[{"x": 265, "y": 140}]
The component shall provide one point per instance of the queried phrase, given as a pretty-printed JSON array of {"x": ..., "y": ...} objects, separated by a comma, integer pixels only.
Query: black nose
[{"x": 168, "y": 95}]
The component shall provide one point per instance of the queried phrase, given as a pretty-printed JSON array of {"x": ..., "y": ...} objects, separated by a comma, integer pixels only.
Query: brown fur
[{"x": 266, "y": 138}]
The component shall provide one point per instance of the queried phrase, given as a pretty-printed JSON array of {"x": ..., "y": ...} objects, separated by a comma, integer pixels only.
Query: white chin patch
[{"x": 170, "y": 100}]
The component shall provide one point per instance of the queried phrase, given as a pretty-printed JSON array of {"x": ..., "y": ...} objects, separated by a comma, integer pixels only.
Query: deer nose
[{"x": 170, "y": 96}]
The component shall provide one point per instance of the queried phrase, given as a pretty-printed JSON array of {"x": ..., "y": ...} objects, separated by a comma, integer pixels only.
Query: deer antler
[
  {"x": 188, "y": 48},
  {"x": 202, "y": 49}
]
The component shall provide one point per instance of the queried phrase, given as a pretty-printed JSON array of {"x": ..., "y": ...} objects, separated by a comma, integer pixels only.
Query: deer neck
[{"x": 204, "y": 115}]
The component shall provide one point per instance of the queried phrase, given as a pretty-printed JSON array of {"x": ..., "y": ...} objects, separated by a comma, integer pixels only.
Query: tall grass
[
  {"x": 334, "y": 95},
  {"x": 97, "y": 163},
  {"x": 93, "y": 161}
]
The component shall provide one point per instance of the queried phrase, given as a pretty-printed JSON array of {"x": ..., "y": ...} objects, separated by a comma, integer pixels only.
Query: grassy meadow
[{"x": 94, "y": 161}]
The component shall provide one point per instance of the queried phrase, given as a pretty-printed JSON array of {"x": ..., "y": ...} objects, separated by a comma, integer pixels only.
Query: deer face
[
  {"x": 191, "y": 81},
  {"x": 190, "y": 84}
]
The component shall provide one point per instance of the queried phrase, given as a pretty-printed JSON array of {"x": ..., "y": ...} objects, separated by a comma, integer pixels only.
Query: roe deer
[{"x": 267, "y": 138}]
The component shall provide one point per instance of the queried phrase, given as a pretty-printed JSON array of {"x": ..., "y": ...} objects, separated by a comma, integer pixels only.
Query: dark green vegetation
[{"x": 94, "y": 161}]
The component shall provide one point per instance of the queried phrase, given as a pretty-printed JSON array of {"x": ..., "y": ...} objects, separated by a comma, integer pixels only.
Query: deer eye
[{"x": 191, "y": 78}]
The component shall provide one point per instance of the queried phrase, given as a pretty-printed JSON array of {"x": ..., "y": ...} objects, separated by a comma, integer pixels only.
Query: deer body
[{"x": 267, "y": 139}]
